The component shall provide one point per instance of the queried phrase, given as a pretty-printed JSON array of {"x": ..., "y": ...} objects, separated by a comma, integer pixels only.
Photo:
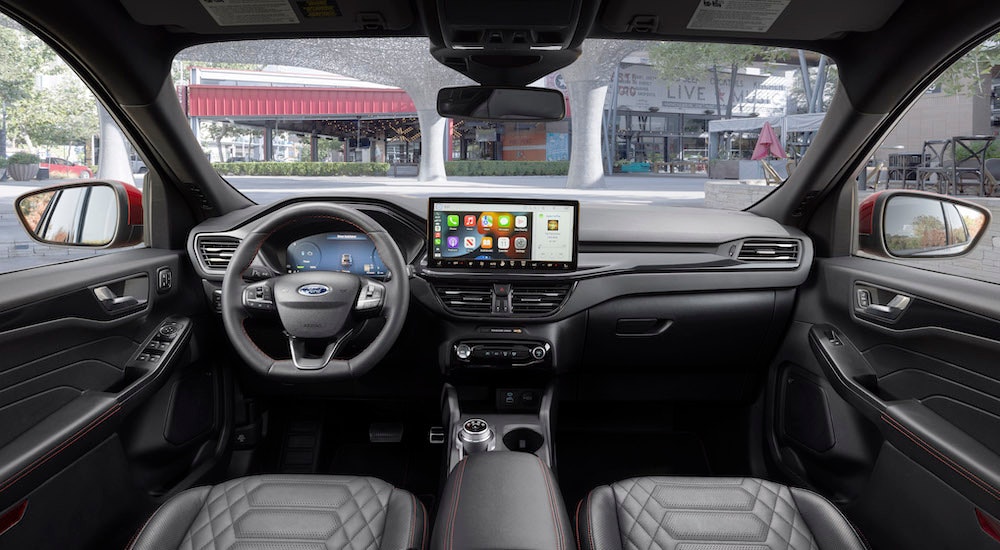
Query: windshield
[{"x": 686, "y": 124}]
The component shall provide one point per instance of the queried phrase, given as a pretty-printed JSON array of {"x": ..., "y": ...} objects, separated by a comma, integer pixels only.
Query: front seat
[
  {"x": 288, "y": 511},
  {"x": 697, "y": 513}
]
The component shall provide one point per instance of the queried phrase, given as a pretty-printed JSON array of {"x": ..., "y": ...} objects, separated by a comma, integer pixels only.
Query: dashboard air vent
[
  {"x": 537, "y": 299},
  {"x": 468, "y": 299},
  {"x": 215, "y": 251},
  {"x": 772, "y": 250}
]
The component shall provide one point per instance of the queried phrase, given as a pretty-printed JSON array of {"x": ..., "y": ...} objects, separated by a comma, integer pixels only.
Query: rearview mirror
[
  {"x": 501, "y": 104},
  {"x": 912, "y": 224},
  {"x": 97, "y": 214}
]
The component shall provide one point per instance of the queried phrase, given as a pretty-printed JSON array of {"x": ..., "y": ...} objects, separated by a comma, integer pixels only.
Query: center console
[
  {"x": 502, "y": 500},
  {"x": 520, "y": 422}
]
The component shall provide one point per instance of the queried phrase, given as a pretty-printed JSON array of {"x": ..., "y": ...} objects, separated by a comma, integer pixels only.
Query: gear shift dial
[{"x": 476, "y": 436}]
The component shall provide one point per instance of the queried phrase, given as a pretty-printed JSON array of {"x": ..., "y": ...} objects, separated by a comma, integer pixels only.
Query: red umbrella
[{"x": 767, "y": 144}]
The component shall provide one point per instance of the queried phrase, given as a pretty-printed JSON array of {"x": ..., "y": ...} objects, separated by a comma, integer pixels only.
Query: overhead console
[{"x": 513, "y": 43}]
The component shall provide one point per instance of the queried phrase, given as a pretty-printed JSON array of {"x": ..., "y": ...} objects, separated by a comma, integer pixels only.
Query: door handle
[
  {"x": 892, "y": 310},
  {"x": 112, "y": 303}
]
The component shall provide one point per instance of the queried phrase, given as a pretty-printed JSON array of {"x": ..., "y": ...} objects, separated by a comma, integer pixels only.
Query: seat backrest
[
  {"x": 970, "y": 151},
  {"x": 935, "y": 152},
  {"x": 993, "y": 168}
]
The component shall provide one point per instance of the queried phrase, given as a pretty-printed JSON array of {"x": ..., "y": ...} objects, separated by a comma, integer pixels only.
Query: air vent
[
  {"x": 216, "y": 251},
  {"x": 467, "y": 299},
  {"x": 769, "y": 251},
  {"x": 531, "y": 299}
]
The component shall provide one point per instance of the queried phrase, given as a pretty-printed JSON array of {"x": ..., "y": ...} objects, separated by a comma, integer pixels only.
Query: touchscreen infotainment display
[{"x": 503, "y": 234}]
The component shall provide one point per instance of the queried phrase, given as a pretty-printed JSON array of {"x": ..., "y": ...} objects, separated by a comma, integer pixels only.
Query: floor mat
[{"x": 587, "y": 459}]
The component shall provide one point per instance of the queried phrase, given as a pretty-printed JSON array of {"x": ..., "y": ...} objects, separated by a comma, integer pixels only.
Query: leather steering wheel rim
[{"x": 394, "y": 307}]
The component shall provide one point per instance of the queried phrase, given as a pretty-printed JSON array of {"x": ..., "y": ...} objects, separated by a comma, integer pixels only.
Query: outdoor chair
[
  {"x": 992, "y": 175},
  {"x": 873, "y": 174},
  {"x": 771, "y": 175},
  {"x": 971, "y": 170},
  {"x": 935, "y": 152}
]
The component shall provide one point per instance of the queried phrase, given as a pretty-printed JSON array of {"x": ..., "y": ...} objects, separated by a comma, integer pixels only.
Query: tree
[
  {"x": 23, "y": 57},
  {"x": 690, "y": 61},
  {"x": 62, "y": 114},
  {"x": 971, "y": 74},
  {"x": 219, "y": 131},
  {"x": 325, "y": 149}
]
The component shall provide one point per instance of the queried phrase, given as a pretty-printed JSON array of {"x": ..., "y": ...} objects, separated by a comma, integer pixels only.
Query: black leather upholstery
[
  {"x": 694, "y": 513},
  {"x": 502, "y": 500},
  {"x": 288, "y": 512}
]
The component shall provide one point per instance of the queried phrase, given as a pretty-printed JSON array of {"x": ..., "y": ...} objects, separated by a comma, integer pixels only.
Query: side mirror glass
[
  {"x": 910, "y": 224},
  {"x": 101, "y": 214},
  {"x": 501, "y": 104}
]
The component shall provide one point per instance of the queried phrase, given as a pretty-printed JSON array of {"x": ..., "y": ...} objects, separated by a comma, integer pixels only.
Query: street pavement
[{"x": 18, "y": 251}]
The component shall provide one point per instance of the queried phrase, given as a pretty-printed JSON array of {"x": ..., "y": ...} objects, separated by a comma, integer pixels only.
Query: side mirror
[
  {"x": 95, "y": 214},
  {"x": 912, "y": 224},
  {"x": 501, "y": 104}
]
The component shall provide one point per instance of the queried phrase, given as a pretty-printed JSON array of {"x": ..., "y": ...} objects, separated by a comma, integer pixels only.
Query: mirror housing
[
  {"x": 501, "y": 104},
  {"x": 90, "y": 214},
  {"x": 915, "y": 224}
]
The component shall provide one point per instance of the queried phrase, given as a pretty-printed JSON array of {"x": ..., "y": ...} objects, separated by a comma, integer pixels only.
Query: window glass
[
  {"x": 50, "y": 132},
  {"x": 947, "y": 144},
  {"x": 679, "y": 123}
]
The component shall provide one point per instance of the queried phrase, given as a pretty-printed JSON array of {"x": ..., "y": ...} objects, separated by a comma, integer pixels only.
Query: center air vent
[
  {"x": 531, "y": 299},
  {"x": 467, "y": 299},
  {"x": 516, "y": 300},
  {"x": 771, "y": 250},
  {"x": 215, "y": 251}
]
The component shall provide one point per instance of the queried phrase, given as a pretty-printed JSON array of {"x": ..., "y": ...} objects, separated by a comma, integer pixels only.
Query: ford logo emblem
[{"x": 313, "y": 290}]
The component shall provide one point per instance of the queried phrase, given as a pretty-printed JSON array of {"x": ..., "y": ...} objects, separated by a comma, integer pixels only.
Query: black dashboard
[{"x": 644, "y": 277}]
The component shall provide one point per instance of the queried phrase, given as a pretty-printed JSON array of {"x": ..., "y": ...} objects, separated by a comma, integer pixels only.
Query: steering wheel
[{"x": 318, "y": 309}]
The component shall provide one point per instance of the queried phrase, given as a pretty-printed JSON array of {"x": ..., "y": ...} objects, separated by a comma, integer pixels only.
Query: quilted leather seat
[
  {"x": 695, "y": 513},
  {"x": 288, "y": 512}
]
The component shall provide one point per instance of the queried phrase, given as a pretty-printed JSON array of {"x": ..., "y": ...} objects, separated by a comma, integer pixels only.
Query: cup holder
[{"x": 524, "y": 440}]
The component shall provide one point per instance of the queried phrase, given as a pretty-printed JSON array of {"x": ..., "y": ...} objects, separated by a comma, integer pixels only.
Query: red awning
[{"x": 267, "y": 101}]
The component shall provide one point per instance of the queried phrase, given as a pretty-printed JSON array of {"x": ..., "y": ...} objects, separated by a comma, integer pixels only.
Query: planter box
[
  {"x": 22, "y": 172},
  {"x": 724, "y": 169}
]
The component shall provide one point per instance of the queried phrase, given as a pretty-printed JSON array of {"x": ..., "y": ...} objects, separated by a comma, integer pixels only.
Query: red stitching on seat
[
  {"x": 135, "y": 537},
  {"x": 413, "y": 524},
  {"x": 58, "y": 449},
  {"x": 947, "y": 461},
  {"x": 590, "y": 522},
  {"x": 423, "y": 534},
  {"x": 576, "y": 522}
]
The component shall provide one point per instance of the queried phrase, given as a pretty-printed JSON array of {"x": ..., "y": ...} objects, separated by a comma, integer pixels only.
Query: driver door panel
[{"x": 73, "y": 400}]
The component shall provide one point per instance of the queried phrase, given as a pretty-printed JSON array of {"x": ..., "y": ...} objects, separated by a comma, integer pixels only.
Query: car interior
[{"x": 336, "y": 371}]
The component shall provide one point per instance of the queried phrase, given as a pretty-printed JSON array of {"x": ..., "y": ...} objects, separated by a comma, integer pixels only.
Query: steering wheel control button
[
  {"x": 476, "y": 436},
  {"x": 371, "y": 297},
  {"x": 259, "y": 297}
]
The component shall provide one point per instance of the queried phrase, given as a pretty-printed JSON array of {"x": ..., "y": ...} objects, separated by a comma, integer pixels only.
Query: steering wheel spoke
[
  {"x": 259, "y": 297},
  {"x": 304, "y": 361}
]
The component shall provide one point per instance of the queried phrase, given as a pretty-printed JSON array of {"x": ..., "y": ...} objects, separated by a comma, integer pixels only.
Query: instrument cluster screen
[{"x": 346, "y": 251}]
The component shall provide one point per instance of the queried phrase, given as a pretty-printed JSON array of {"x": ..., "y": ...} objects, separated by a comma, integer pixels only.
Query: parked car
[
  {"x": 59, "y": 168},
  {"x": 510, "y": 365}
]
